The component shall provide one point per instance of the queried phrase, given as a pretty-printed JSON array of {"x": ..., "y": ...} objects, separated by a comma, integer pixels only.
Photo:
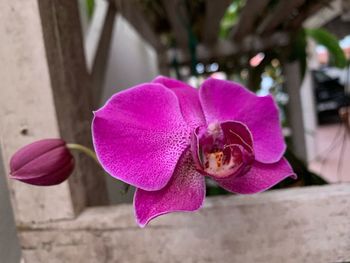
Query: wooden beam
[
  {"x": 345, "y": 4},
  {"x": 282, "y": 11},
  {"x": 215, "y": 10},
  {"x": 318, "y": 13},
  {"x": 305, "y": 224},
  {"x": 101, "y": 55},
  {"x": 132, "y": 12},
  {"x": 247, "y": 19},
  {"x": 178, "y": 18},
  {"x": 224, "y": 48}
]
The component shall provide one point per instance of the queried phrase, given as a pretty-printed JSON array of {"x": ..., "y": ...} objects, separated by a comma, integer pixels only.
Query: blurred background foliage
[
  {"x": 90, "y": 7},
  {"x": 230, "y": 18}
]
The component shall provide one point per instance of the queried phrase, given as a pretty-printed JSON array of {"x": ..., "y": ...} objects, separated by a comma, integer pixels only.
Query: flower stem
[
  {"x": 125, "y": 189},
  {"x": 92, "y": 154},
  {"x": 83, "y": 149}
]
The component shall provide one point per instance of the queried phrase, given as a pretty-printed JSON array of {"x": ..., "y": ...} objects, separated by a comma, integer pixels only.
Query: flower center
[{"x": 223, "y": 149}]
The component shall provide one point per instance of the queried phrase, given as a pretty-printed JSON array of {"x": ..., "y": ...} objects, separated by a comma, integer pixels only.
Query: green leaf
[
  {"x": 298, "y": 51},
  {"x": 331, "y": 43},
  {"x": 90, "y": 6},
  {"x": 230, "y": 18}
]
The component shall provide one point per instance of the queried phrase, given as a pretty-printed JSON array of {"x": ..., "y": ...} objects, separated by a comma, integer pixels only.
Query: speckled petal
[
  {"x": 184, "y": 192},
  {"x": 140, "y": 134},
  {"x": 259, "y": 178},
  {"x": 189, "y": 100},
  {"x": 224, "y": 100}
]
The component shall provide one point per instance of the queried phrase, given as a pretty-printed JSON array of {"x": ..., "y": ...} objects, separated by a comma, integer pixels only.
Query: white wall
[
  {"x": 309, "y": 116},
  {"x": 131, "y": 61}
]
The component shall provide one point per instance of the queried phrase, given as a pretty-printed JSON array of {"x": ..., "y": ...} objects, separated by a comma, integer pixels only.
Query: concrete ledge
[{"x": 295, "y": 225}]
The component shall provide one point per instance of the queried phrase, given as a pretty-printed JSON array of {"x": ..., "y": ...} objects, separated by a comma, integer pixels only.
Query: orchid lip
[{"x": 222, "y": 150}]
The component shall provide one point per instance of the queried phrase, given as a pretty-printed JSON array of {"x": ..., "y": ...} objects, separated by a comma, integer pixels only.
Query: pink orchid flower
[{"x": 165, "y": 137}]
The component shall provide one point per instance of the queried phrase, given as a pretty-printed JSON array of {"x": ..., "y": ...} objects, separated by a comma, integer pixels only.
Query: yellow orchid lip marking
[
  {"x": 220, "y": 152},
  {"x": 214, "y": 159},
  {"x": 216, "y": 165}
]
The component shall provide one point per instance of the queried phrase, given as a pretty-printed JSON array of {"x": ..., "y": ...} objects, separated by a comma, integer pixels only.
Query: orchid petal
[
  {"x": 259, "y": 178},
  {"x": 225, "y": 101},
  {"x": 140, "y": 134},
  {"x": 184, "y": 192},
  {"x": 188, "y": 97}
]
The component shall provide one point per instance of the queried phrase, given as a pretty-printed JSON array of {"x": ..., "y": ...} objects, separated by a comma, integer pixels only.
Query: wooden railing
[{"x": 295, "y": 225}]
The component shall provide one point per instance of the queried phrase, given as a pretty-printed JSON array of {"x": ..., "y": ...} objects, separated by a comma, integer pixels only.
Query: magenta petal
[
  {"x": 259, "y": 178},
  {"x": 189, "y": 101},
  {"x": 184, "y": 192},
  {"x": 224, "y": 100},
  {"x": 237, "y": 132},
  {"x": 140, "y": 134}
]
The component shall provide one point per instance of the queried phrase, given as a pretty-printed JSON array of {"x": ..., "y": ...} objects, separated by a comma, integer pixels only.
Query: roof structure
[{"x": 182, "y": 25}]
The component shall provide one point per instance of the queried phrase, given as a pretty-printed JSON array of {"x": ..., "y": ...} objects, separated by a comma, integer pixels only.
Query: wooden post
[
  {"x": 45, "y": 94},
  {"x": 163, "y": 66},
  {"x": 309, "y": 101},
  {"x": 294, "y": 108},
  {"x": 72, "y": 87}
]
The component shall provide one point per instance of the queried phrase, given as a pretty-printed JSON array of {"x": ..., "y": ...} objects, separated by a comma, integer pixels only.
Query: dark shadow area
[{"x": 9, "y": 247}]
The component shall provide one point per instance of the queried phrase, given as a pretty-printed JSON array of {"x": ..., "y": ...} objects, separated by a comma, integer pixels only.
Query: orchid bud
[{"x": 45, "y": 162}]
